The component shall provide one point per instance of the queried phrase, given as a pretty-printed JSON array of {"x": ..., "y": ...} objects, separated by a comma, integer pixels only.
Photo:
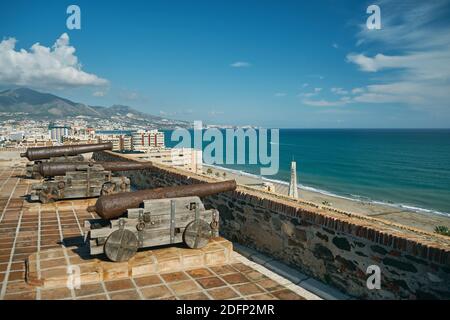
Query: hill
[{"x": 25, "y": 103}]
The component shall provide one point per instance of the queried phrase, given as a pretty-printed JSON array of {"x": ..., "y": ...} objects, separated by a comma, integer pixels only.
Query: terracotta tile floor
[{"x": 27, "y": 227}]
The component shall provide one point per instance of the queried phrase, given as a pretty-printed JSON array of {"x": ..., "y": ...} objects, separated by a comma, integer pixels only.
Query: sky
[{"x": 281, "y": 64}]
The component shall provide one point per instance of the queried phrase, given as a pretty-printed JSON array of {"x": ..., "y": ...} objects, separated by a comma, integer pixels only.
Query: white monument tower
[{"x": 293, "y": 191}]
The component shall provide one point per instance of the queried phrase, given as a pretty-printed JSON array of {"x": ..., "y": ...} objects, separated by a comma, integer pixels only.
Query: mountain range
[{"x": 25, "y": 103}]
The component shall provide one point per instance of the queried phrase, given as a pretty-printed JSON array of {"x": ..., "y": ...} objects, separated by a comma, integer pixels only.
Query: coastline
[{"x": 420, "y": 218}]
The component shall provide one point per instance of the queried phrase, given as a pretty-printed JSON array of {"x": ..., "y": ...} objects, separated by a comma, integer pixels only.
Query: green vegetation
[
  {"x": 442, "y": 230},
  {"x": 209, "y": 171}
]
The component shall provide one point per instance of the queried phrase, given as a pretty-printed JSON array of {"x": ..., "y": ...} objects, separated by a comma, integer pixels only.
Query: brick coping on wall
[{"x": 427, "y": 245}]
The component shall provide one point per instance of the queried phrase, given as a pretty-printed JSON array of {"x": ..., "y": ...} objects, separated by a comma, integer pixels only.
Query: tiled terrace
[{"x": 26, "y": 228}]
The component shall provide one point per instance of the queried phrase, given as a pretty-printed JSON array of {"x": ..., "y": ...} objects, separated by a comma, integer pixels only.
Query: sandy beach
[{"x": 395, "y": 214}]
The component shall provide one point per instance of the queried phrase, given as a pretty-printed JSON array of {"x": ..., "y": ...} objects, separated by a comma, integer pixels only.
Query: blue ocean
[{"x": 406, "y": 167}]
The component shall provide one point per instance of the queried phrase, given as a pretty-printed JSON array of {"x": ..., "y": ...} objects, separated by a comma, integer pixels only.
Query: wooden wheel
[
  {"x": 108, "y": 188},
  {"x": 48, "y": 195},
  {"x": 121, "y": 245},
  {"x": 197, "y": 234}
]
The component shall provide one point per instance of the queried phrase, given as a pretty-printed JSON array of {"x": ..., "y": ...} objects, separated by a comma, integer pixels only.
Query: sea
[{"x": 407, "y": 168}]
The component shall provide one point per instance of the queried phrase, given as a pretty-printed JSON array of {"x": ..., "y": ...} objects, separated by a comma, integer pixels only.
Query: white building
[
  {"x": 120, "y": 142},
  {"x": 142, "y": 140},
  {"x": 185, "y": 158},
  {"x": 16, "y": 136},
  {"x": 57, "y": 133}
]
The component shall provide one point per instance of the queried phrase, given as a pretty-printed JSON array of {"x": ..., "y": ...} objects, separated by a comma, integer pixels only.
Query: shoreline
[{"x": 420, "y": 218}]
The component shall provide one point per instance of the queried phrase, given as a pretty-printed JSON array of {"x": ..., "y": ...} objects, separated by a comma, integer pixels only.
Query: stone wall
[{"x": 330, "y": 245}]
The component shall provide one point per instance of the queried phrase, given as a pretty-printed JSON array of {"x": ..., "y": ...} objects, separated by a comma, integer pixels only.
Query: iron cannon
[
  {"x": 43, "y": 153},
  {"x": 154, "y": 217},
  {"x": 72, "y": 153},
  {"x": 32, "y": 168},
  {"x": 113, "y": 206},
  {"x": 52, "y": 169}
]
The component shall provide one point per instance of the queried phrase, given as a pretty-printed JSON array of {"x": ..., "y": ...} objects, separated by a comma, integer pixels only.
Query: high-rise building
[
  {"x": 293, "y": 190},
  {"x": 186, "y": 158},
  {"x": 142, "y": 140},
  {"x": 57, "y": 132},
  {"x": 120, "y": 142}
]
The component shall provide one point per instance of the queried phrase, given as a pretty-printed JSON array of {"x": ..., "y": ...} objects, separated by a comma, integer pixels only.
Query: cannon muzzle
[
  {"x": 113, "y": 206},
  {"x": 41, "y": 153},
  {"x": 52, "y": 169}
]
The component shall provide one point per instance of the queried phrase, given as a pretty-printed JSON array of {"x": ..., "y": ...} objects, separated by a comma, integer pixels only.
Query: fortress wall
[{"x": 330, "y": 245}]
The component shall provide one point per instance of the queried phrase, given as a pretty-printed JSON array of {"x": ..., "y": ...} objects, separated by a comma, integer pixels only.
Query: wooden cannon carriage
[
  {"x": 159, "y": 222},
  {"x": 154, "y": 217},
  {"x": 82, "y": 180},
  {"x": 32, "y": 168},
  {"x": 68, "y": 153}
]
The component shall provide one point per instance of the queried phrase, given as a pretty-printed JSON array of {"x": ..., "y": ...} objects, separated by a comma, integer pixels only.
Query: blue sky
[{"x": 306, "y": 64}]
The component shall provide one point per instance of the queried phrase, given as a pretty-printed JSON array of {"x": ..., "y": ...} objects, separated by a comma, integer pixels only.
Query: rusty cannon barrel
[
  {"x": 41, "y": 153},
  {"x": 113, "y": 206},
  {"x": 52, "y": 169}
]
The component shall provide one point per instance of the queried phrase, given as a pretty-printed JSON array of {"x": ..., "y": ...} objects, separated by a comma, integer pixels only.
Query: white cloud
[
  {"x": 323, "y": 103},
  {"x": 335, "y": 45},
  {"x": 280, "y": 94},
  {"x": 99, "y": 93},
  {"x": 357, "y": 90},
  {"x": 310, "y": 94},
  {"x": 44, "y": 67},
  {"x": 240, "y": 64},
  {"x": 417, "y": 69},
  {"x": 339, "y": 91}
]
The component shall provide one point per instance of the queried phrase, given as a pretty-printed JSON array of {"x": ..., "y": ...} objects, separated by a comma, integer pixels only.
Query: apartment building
[
  {"x": 185, "y": 158},
  {"x": 120, "y": 142},
  {"x": 143, "y": 139}
]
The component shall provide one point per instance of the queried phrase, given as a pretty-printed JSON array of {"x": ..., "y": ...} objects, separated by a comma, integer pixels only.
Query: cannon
[
  {"x": 48, "y": 169},
  {"x": 71, "y": 153},
  {"x": 83, "y": 180},
  {"x": 42, "y": 153},
  {"x": 113, "y": 206},
  {"x": 32, "y": 168},
  {"x": 154, "y": 217}
]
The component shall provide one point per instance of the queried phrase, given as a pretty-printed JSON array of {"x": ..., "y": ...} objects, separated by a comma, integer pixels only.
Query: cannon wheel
[
  {"x": 121, "y": 245},
  {"x": 48, "y": 195},
  {"x": 197, "y": 234},
  {"x": 108, "y": 188}
]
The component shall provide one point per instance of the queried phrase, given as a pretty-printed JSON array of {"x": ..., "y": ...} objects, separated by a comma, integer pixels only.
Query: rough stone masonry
[{"x": 332, "y": 246}]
